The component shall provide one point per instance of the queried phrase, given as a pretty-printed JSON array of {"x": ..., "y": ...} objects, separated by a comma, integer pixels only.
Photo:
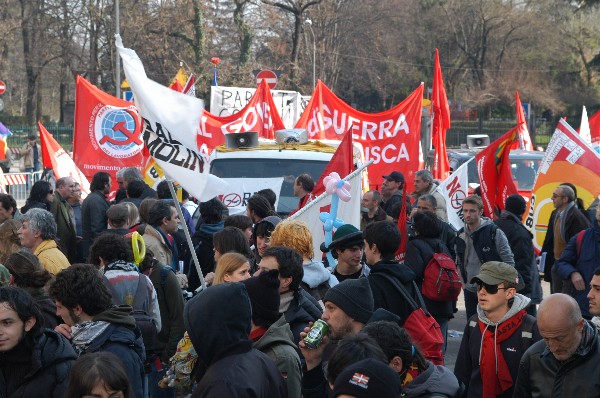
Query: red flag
[
  {"x": 523, "y": 139},
  {"x": 176, "y": 86},
  {"x": 107, "y": 133},
  {"x": 60, "y": 161},
  {"x": 495, "y": 175},
  {"x": 440, "y": 122},
  {"x": 342, "y": 162},
  {"x": 594, "y": 122},
  {"x": 402, "y": 227}
]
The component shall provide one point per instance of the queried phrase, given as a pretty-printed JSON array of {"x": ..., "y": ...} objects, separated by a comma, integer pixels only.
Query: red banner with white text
[
  {"x": 260, "y": 115},
  {"x": 390, "y": 138},
  {"x": 107, "y": 133}
]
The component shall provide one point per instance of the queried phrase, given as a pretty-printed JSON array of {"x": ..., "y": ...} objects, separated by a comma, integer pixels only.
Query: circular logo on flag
[{"x": 116, "y": 131}]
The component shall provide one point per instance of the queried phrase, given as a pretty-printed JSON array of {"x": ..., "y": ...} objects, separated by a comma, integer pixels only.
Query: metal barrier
[{"x": 18, "y": 185}]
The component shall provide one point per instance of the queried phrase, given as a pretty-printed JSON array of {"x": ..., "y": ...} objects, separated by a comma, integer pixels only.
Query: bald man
[{"x": 567, "y": 362}]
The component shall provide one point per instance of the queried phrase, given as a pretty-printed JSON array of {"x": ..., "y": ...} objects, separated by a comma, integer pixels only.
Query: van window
[{"x": 268, "y": 168}]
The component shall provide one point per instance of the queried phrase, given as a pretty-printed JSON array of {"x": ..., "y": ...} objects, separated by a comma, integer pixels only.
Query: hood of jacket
[
  {"x": 278, "y": 333},
  {"x": 520, "y": 302},
  {"x": 118, "y": 315},
  {"x": 214, "y": 331},
  {"x": 432, "y": 381},
  {"x": 51, "y": 348},
  {"x": 302, "y": 309},
  {"x": 315, "y": 273},
  {"x": 399, "y": 270}
]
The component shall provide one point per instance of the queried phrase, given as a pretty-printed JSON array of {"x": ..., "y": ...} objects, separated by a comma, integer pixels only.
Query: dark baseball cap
[
  {"x": 496, "y": 272},
  {"x": 395, "y": 176}
]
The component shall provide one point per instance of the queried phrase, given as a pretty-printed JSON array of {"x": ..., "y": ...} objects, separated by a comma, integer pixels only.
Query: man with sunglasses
[{"x": 496, "y": 337}]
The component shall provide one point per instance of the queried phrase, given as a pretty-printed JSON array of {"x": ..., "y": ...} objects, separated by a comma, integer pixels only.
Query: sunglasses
[{"x": 490, "y": 289}]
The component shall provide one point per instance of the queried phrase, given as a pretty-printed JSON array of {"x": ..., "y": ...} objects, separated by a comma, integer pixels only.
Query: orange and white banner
[
  {"x": 568, "y": 159},
  {"x": 61, "y": 162},
  {"x": 107, "y": 133},
  {"x": 390, "y": 138}
]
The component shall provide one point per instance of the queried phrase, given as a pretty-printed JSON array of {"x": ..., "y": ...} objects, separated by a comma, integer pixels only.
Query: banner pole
[
  {"x": 188, "y": 238},
  {"x": 318, "y": 198}
]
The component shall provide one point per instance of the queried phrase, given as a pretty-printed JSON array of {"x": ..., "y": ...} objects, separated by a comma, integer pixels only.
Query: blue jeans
[
  {"x": 154, "y": 391},
  {"x": 470, "y": 303}
]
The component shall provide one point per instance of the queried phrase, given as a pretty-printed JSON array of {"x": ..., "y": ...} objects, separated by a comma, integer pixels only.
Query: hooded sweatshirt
[
  {"x": 317, "y": 280},
  {"x": 434, "y": 381},
  {"x": 227, "y": 363},
  {"x": 470, "y": 264},
  {"x": 468, "y": 363}
]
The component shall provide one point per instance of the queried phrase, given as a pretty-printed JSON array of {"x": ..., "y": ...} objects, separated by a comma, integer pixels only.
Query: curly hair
[
  {"x": 99, "y": 181},
  {"x": 39, "y": 191},
  {"x": 26, "y": 270},
  {"x": 41, "y": 221},
  {"x": 295, "y": 235},
  {"x": 8, "y": 202},
  {"x": 228, "y": 264},
  {"x": 231, "y": 239},
  {"x": 9, "y": 239},
  {"x": 109, "y": 247},
  {"x": 396, "y": 342},
  {"x": 81, "y": 284}
]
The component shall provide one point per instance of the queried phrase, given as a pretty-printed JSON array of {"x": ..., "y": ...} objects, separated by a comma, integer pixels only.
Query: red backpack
[
  {"x": 420, "y": 324},
  {"x": 441, "y": 280}
]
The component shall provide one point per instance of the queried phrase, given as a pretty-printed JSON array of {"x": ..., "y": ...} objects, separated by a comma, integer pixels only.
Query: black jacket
[
  {"x": 418, "y": 253},
  {"x": 303, "y": 309},
  {"x": 575, "y": 221},
  {"x": 542, "y": 375},
  {"x": 51, "y": 358},
  {"x": 385, "y": 294},
  {"x": 123, "y": 339},
  {"x": 218, "y": 323},
  {"x": 521, "y": 244},
  {"x": 203, "y": 245},
  {"x": 93, "y": 218}
]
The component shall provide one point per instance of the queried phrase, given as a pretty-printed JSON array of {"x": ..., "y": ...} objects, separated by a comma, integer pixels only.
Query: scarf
[
  {"x": 172, "y": 246},
  {"x": 257, "y": 333},
  {"x": 495, "y": 375},
  {"x": 85, "y": 333}
]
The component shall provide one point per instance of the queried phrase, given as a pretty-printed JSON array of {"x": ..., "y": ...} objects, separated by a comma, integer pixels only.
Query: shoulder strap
[
  {"x": 579, "y": 238},
  {"x": 405, "y": 295},
  {"x": 140, "y": 293}
]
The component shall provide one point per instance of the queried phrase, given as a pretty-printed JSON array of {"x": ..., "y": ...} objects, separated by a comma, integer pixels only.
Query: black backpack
[{"x": 143, "y": 320}]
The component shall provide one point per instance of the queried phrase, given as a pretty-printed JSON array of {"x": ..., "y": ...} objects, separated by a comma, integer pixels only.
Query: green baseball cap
[{"x": 496, "y": 272}]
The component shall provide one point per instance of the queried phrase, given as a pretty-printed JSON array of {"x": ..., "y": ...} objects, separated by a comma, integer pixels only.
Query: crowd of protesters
[{"x": 108, "y": 299}]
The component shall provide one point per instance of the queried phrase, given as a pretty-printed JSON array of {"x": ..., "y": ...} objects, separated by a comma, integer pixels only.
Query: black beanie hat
[
  {"x": 368, "y": 378},
  {"x": 354, "y": 297},
  {"x": 263, "y": 291},
  {"x": 515, "y": 204}
]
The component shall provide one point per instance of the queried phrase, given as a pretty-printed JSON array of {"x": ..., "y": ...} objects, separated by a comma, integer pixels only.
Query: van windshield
[{"x": 269, "y": 168}]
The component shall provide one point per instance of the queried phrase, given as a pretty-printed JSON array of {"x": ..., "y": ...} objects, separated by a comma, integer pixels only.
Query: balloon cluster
[{"x": 338, "y": 189}]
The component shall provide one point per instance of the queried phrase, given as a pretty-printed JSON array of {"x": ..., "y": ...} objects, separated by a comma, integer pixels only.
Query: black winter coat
[
  {"x": 303, "y": 309},
  {"x": 385, "y": 294},
  {"x": 418, "y": 253},
  {"x": 52, "y": 358},
  {"x": 93, "y": 218},
  {"x": 227, "y": 365}
]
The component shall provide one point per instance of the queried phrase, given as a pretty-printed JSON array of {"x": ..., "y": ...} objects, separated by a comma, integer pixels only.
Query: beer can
[{"x": 314, "y": 337}]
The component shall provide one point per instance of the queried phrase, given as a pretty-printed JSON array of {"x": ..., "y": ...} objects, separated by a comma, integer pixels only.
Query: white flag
[
  {"x": 349, "y": 212},
  {"x": 584, "y": 128},
  {"x": 455, "y": 189},
  {"x": 171, "y": 126}
]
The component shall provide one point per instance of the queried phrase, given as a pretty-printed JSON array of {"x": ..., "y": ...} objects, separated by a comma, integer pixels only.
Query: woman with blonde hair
[
  {"x": 231, "y": 267},
  {"x": 295, "y": 234},
  {"x": 9, "y": 239},
  {"x": 133, "y": 218}
]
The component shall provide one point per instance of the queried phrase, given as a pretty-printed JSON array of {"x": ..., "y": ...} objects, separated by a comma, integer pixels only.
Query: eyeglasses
[{"x": 490, "y": 289}]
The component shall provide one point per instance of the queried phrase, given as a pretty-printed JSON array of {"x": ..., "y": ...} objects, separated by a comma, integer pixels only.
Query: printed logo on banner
[{"x": 116, "y": 131}]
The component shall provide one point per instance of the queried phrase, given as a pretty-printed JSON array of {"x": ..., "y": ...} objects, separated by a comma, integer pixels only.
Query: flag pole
[
  {"x": 188, "y": 238},
  {"x": 315, "y": 200}
]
